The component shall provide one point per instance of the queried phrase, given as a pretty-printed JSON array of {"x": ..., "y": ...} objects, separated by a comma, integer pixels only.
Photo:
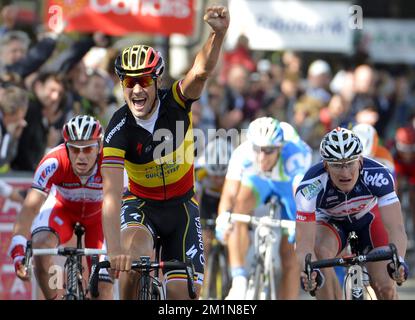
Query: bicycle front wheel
[
  {"x": 145, "y": 288},
  {"x": 354, "y": 288},
  {"x": 255, "y": 284}
]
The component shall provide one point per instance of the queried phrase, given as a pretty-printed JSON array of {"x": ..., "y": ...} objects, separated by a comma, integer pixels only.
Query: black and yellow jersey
[{"x": 160, "y": 166}]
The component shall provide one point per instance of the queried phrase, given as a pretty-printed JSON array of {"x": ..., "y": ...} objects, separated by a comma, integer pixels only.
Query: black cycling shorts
[{"x": 178, "y": 227}]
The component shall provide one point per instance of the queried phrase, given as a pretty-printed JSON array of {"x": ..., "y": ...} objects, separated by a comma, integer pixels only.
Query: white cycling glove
[{"x": 223, "y": 226}]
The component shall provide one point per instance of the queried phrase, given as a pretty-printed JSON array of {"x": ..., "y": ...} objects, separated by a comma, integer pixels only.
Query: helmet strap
[{"x": 155, "y": 99}]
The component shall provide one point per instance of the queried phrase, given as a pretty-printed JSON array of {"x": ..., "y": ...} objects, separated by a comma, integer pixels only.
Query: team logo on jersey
[
  {"x": 377, "y": 180},
  {"x": 45, "y": 171},
  {"x": 312, "y": 189},
  {"x": 114, "y": 130},
  {"x": 139, "y": 148}
]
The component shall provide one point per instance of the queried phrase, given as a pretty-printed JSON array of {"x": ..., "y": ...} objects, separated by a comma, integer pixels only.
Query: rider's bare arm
[
  {"x": 30, "y": 209},
  {"x": 393, "y": 222},
  {"x": 305, "y": 239},
  {"x": 111, "y": 207},
  {"x": 218, "y": 19},
  {"x": 228, "y": 196}
]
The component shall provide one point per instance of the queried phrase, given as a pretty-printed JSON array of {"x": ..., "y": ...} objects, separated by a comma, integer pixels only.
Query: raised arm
[{"x": 218, "y": 19}]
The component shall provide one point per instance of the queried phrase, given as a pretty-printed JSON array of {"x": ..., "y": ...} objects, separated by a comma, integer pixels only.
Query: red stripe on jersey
[
  {"x": 173, "y": 190},
  {"x": 305, "y": 216}
]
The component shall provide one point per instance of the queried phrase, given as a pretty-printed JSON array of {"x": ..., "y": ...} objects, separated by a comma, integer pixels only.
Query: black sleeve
[
  {"x": 71, "y": 57},
  {"x": 35, "y": 58}
]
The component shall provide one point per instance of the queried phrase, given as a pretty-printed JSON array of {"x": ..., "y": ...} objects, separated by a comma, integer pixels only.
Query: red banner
[{"x": 119, "y": 17}]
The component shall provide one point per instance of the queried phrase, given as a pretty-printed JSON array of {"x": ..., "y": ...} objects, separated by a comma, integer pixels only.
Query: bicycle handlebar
[
  {"x": 264, "y": 221},
  {"x": 346, "y": 261},
  {"x": 148, "y": 266},
  {"x": 68, "y": 251}
]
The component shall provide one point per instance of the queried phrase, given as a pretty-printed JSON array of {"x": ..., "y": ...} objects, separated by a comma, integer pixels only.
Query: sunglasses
[
  {"x": 266, "y": 150},
  {"x": 75, "y": 149},
  {"x": 338, "y": 166},
  {"x": 143, "y": 81}
]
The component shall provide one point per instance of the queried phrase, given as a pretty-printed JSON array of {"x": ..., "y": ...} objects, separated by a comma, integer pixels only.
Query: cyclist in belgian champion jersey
[
  {"x": 348, "y": 192},
  {"x": 151, "y": 137},
  {"x": 67, "y": 188}
]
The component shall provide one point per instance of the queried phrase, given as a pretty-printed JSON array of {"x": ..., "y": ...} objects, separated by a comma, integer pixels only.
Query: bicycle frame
[
  {"x": 73, "y": 265},
  {"x": 262, "y": 279}
]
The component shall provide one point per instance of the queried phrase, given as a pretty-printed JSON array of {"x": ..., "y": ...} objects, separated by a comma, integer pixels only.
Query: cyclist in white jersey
[
  {"x": 272, "y": 162},
  {"x": 348, "y": 192}
]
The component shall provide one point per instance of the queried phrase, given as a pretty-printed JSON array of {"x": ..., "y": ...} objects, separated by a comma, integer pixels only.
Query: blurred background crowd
[{"x": 46, "y": 77}]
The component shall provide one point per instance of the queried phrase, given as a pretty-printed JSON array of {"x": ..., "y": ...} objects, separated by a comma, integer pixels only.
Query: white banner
[
  {"x": 295, "y": 25},
  {"x": 390, "y": 41}
]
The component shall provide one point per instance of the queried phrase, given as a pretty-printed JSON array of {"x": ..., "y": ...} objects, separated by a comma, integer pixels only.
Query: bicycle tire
[
  {"x": 72, "y": 285},
  {"x": 255, "y": 283},
  {"x": 224, "y": 273},
  {"x": 155, "y": 290},
  {"x": 354, "y": 287},
  {"x": 271, "y": 285},
  {"x": 213, "y": 277},
  {"x": 144, "y": 288}
]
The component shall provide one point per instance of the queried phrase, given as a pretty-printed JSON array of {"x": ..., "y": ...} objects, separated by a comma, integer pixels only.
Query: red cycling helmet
[
  {"x": 81, "y": 128},
  {"x": 405, "y": 139},
  {"x": 139, "y": 60}
]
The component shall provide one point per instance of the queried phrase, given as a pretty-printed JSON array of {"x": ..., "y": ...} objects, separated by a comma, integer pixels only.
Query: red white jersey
[{"x": 54, "y": 175}]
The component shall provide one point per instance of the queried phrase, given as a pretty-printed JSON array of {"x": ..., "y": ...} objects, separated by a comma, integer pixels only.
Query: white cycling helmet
[
  {"x": 340, "y": 144},
  {"x": 265, "y": 132},
  {"x": 368, "y": 137},
  {"x": 81, "y": 128},
  {"x": 217, "y": 154}
]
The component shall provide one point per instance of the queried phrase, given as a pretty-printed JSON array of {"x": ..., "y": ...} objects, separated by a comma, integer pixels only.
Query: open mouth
[
  {"x": 345, "y": 180},
  {"x": 139, "y": 102}
]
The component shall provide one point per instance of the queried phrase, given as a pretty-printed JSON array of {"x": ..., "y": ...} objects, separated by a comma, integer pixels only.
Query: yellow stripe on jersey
[
  {"x": 175, "y": 166},
  {"x": 113, "y": 152},
  {"x": 177, "y": 95}
]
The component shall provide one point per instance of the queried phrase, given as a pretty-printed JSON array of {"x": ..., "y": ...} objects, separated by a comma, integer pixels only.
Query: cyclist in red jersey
[
  {"x": 405, "y": 164},
  {"x": 67, "y": 188}
]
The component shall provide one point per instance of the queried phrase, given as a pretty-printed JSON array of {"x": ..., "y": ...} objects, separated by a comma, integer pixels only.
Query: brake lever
[
  {"x": 396, "y": 263},
  {"x": 308, "y": 271},
  {"x": 27, "y": 259}
]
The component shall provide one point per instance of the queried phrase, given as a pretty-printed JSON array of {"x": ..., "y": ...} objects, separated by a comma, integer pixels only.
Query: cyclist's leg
[
  {"x": 94, "y": 238},
  {"x": 254, "y": 191},
  {"x": 330, "y": 241},
  {"x": 50, "y": 227},
  {"x": 136, "y": 240},
  {"x": 208, "y": 211},
  {"x": 181, "y": 234},
  {"x": 290, "y": 278},
  {"x": 373, "y": 235}
]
